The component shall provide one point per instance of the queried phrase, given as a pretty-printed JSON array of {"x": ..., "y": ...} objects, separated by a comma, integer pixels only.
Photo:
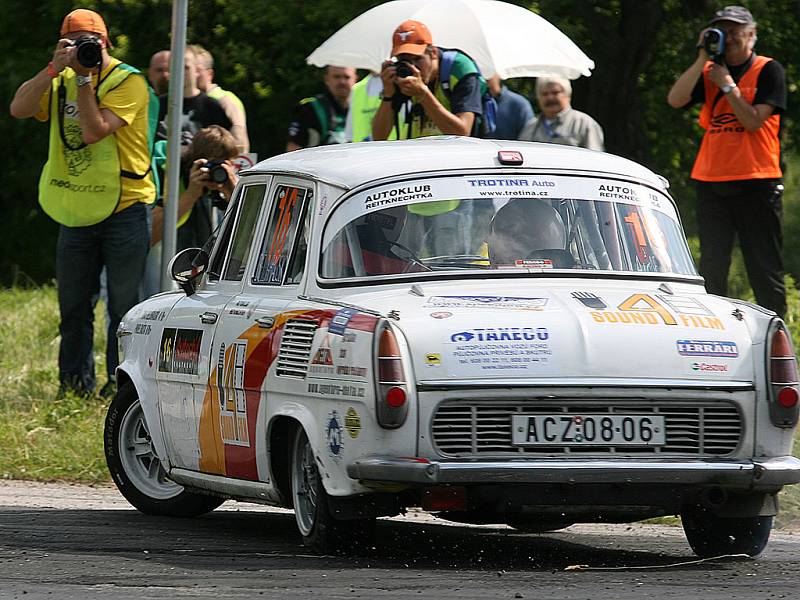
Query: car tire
[
  {"x": 528, "y": 525},
  {"x": 711, "y": 535},
  {"x": 320, "y": 529},
  {"x": 137, "y": 470}
]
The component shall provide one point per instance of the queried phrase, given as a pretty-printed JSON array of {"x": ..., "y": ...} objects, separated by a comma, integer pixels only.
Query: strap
[
  {"x": 446, "y": 61},
  {"x": 131, "y": 175},
  {"x": 322, "y": 117}
]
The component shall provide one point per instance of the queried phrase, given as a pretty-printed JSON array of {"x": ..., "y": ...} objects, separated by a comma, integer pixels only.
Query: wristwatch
[
  {"x": 82, "y": 80},
  {"x": 728, "y": 87}
]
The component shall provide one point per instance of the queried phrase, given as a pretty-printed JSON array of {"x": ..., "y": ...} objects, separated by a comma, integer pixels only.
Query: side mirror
[{"x": 186, "y": 266}]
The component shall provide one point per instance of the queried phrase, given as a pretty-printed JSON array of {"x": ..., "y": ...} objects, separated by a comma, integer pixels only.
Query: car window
[
  {"x": 243, "y": 229},
  {"x": 507, "y": 223},
  {"x": 283, "y": 249},
  {"x": 222, "y": 237}
]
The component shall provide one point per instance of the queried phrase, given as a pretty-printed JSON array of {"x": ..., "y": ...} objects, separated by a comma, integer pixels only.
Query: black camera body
[
  {"x": 404, "y": 68},
  {"x": 88, "y": 51},
  {"x": 714, "y": 44},
  {"x": 216, "y": 171}
]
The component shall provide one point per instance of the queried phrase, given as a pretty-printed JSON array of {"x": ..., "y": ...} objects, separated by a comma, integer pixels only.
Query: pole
[{"x": 174, "y": 112}]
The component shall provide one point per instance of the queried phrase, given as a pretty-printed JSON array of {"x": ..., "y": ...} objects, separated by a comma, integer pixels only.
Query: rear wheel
[
  {"x": 320, "y": 529},
  {"x": 712, "y": 535},
  {"x": 136, "y": 469}
]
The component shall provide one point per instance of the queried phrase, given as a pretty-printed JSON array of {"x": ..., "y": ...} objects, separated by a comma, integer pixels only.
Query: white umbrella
[{"x": 502, "y": 38}]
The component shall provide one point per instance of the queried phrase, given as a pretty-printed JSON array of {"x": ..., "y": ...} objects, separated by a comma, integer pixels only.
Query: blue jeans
[{"x": 120, "y": 244}]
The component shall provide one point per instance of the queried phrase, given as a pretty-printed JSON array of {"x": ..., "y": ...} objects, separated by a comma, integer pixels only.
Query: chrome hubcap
[{"x": 139, "y": 459}]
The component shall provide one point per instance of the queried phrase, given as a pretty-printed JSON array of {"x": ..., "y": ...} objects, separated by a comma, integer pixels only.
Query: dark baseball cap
[{"x": 735, "y": 14}]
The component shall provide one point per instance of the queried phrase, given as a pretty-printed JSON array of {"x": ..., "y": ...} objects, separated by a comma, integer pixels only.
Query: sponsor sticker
[
  {"x": 333, "y": 432},
  {"x": 709, "y": 368},
  {"x": 179, "y": 351},
  {"x": 590, "y": 300},
  {"x": 340, "y": 320},
  {"x": 142, "y": 329},
  {"x": 497, "y": 350},
  {"x": 154, "y": 315},
  {"x": 334, "y": 389},
  {"x": 433, "y": 359},
  {"x": 352, "y": 422},
  {"x": 707, "y": 348},
  {"x": 493, "y": 302}
]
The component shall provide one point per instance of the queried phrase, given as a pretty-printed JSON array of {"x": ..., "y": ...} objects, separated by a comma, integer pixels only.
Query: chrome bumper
[{"x": 756, "y": 474}]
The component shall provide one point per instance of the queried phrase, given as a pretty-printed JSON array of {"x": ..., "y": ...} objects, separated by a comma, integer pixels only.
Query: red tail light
[
  {"x": 391, "y": 388},
  {"x": 783, "y": 380},
  {"x": 782, "y": 361}
]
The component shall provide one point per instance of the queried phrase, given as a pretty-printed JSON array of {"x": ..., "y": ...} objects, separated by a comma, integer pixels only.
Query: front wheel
[
  {"x": 711, "y": 535},
  {"x": 320, "y": 529},
  {"x": 135, "y": 467}
]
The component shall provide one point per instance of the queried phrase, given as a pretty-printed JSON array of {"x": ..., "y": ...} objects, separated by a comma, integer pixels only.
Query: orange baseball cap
[
  {"x": 83, "y": 19},
  {"x": 411, "y": 37}
]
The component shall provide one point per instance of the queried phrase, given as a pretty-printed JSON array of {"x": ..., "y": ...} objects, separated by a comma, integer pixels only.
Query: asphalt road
[{"x": 75, "y": 542}]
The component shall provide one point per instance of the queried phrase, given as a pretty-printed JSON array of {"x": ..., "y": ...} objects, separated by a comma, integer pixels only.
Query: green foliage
[{"x": 639, "y": 47}]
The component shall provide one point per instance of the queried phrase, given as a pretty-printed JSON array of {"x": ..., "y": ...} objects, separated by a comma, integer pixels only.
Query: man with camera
[
  {"x": 208, "y": 178},
  {"x": 412, "y": 76},
  {"x": 737, "y": 169},
  {"x": 95, "y": 184}
]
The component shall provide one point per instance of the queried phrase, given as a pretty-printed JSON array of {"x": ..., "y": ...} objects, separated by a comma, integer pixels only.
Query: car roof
[{"x": 351, "y": 165}]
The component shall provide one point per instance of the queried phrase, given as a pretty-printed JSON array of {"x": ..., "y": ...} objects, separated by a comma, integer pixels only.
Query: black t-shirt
[
  {"x": 770, "y": 86},
  {"x": 198, "y": 112},
  {"x": 305, "y": 128}
]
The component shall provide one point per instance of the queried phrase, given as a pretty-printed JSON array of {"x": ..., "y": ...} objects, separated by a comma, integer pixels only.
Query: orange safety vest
[{"x": 729, "y": 152}]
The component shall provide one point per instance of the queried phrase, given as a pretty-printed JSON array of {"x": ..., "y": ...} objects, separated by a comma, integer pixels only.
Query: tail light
[
  {"x": 783, "y": 380},
  {"x": 391, "y": 387}
]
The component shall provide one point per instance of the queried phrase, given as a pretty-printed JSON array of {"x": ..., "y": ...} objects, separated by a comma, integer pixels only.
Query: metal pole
[{"x": 174, "y": 111}]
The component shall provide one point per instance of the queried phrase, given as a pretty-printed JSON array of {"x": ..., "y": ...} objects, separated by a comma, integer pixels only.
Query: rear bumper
[{"x": 763, "y": 474}]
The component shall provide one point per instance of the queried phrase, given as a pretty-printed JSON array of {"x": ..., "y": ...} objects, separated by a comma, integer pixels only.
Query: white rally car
[{"x": 497, "y": 332}]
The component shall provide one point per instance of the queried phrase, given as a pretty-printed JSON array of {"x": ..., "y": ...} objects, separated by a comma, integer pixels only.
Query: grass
[
  {"x": 43, "y": 437},
  {"x": 49, "y": 439}
]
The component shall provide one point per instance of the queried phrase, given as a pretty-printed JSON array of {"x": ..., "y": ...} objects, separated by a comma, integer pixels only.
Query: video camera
[
  {"x": 714, "y": 44},
  {"x": 88, "y": 51}
]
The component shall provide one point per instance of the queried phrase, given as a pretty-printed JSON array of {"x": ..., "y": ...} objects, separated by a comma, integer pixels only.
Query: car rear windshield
[{"x": 512, "y": 223}]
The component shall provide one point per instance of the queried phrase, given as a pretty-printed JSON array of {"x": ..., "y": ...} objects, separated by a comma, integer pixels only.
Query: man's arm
[
  {"x": 751, "y": 117},
  {"x": 96, "y": 123},
  {"x": 681, "y": 92},
  {"x": 25, "y": 103},
  {"x": 238, "y": 123},
  {"x": 383, "y": 121}
]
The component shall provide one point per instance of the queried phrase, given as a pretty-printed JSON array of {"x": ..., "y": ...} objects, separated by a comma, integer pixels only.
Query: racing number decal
[
  {"x": 634, "y": 303},
  {"x": 635, "y": 222},
  {"x": 288, "y": 198}
]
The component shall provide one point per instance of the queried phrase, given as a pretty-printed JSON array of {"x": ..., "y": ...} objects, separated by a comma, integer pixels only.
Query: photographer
[
  {"x": 95, "y": 184},
  {"x": 413, "y": 77},
  {"x": 737, "y": 169},
  {"x": 207, "y": 182}
]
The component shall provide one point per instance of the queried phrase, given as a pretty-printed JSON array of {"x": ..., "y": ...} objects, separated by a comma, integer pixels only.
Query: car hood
[{"x": 570, "y": 329}]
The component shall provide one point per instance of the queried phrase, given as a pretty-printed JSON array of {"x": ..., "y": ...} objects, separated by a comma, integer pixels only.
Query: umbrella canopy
[{"x": 502, "y": 38}]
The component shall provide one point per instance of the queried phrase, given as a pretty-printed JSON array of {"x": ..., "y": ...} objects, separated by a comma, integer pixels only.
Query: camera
[
  {"x": 714, "y": 44},
  {"x": 404, "y": 68},
  {"x": 88, "y": 51},
  {"x": 216, "y": 171}
]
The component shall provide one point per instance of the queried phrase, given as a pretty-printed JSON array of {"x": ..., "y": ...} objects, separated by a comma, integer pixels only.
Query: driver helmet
[{"x": 521, "y": 227}]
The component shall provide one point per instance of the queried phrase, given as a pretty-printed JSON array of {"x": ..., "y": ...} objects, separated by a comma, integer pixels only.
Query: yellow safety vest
[
  {"x": 80, "y": 183},
  {"x": 363, "y": 107}
]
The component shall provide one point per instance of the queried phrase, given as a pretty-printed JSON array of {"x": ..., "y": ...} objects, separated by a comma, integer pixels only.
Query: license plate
[{"x": 587, "y": 430}]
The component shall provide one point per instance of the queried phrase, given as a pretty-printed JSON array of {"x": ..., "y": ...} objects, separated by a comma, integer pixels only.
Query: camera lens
[
  {"x": 217, "y": 172},
  {"x": 88, "y": 51},
  {"x": 404, "y": 69}
]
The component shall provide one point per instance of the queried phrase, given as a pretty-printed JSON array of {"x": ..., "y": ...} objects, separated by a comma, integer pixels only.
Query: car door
[
  {"x": 185, "y": 353},
  {"x": 249, "y": 330}
]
